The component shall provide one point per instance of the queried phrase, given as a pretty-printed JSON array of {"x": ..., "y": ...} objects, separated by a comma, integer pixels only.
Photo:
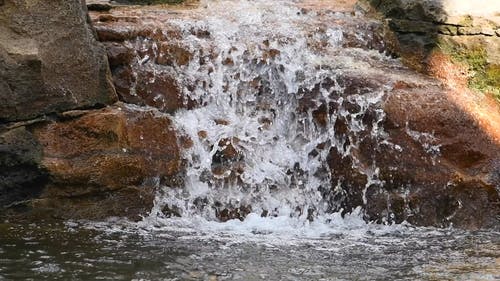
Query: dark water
[{"x": 72, "y": 251}]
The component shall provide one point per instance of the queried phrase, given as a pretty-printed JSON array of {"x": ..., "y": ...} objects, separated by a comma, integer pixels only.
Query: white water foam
[{"x": 258, "y": 153}]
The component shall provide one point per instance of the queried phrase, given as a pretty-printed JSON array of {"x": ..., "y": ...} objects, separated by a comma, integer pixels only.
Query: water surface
[{"x": 350, "y": 251}]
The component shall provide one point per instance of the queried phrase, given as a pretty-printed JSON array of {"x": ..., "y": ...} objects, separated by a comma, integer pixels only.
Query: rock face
[
  {"x": 95, "y": 160},
  {"x": 21, "y": 176},
  {"x": 437, "y": 164},
  {"x": 49, "y": 60},
  {"x": 444, "y": 175},
  {"x": 427, "y": 170},
  {"x": 456, "y": 41},
  {"x": 405, "y": 147},
  {"x": 131, "y": 44},
  {"x": 57, "y": 159}
]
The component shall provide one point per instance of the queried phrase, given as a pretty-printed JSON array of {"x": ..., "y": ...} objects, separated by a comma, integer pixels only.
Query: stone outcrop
[
  {"x": 447, "y": 170},
  {"x": 427, "y": 154},
  {"x": 60, "y": 155},
  {"x": 132, "y": 43},
  {"x": 456, "y": 41},
  {"x": 93, "y": 162},
  {"x": 436, "y": 164},
  {"x": 49, "y": 60}
]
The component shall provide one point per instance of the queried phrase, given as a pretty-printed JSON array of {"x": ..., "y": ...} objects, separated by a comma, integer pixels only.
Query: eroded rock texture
[
  {"x": 50, "y": 60},
  {"x": 61, "y": 156},
  {"x": 90, "y": 164},
  {"x": 455, "y": 41}
]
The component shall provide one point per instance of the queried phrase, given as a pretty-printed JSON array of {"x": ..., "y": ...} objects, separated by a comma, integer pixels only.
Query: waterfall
[{"x": 265, "y": 87}]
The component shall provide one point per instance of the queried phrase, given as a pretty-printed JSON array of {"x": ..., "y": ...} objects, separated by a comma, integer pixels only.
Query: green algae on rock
[{"x": 482, "y": 74}]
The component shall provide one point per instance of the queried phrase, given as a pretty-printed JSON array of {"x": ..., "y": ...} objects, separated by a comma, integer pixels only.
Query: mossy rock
[{"x": 483, "y": 76}]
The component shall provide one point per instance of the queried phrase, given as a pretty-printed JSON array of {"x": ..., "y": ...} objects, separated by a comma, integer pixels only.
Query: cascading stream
[{"x": 266, "y": 78}]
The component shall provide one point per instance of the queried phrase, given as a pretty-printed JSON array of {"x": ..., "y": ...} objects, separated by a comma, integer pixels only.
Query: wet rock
[
  {"x": 202, "y": 134},
  {"x": 227, "y": 151},
  {"x": 227, "y": 161},
  {"x": 109, "y": 149},
  {"x": 172, "y": 53},
  {"x": 434, "y": 165},
  {"x": 99, "y": 5},
  {"x": 459, "y": 32},
  {"x": 171, "y": 211},
  {"x": 119, "y": 54},
  {"x": 124, "y": 80},
  {"x": 143, "y": 60},
  {"x": 348, "y": 183},
  {"x": 50, "y": 61},
  {"x": 233, "y": 213},
  {"x": 21, "y": 175},
  {"x": 104, "y": 163},
  {"x": 130, "y": 202},
  {"x": 116, "y": 33},
  {"x": 158, "y": 90},
  {"x": 444, "y": 171}
]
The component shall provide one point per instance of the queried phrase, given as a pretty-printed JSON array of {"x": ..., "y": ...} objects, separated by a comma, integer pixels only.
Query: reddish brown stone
[
  {"x": 233, "y": 213},
  {"x": 172, "y": 53},
  {"x": 124, "y": 81},
  {"x": 98, "y": 155},
  {"x": 115, "y": 33},
  {"x": 119, "y": 54},
  {"x": 202, "y": 134},
  {"x": 159, "y": 90},
  {"x": 223, "y": 122}
]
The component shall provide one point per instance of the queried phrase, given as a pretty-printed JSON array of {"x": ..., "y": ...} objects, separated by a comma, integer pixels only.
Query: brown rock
[
  {"x": 233, "y": 213},
  {"x": 21, "y": 176},
  {"x": 171, "y": 53},
  {"x": 227, "y": 150},
  {"x": 115, "y": 33},
  {"x": 347, "y": 176},
  {"x": 49, "y": 60},
  {"x": 129, "y": 202},
  {"x": 440, "y": 164},
  {"x": 222, "y": 122},
  {"x": 101, "y": 6},
  {"x": 449, "y": 186},
  {"x": 158, "y": 90},
  {"x": 124, "y": 80},
  {"x": 202, "y": 134},
  {"x": 104, "y": 155},
  {"x": 119, "y": 54}
]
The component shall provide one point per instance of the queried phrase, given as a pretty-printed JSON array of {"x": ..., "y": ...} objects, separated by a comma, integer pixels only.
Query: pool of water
[{"x": 119, "y": 250}]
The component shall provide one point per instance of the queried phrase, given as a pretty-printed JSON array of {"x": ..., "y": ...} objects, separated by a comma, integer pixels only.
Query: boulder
[
  {"x": 447, "y": 168},
  {"x": 433, "y": 36},
  {"x": 102, "y": 163},
  {"x": 436, "y": 164},
  {"x": 21, "y": 176},
  {"x": 143, "y": 61},
  {"x": 50, "y": 60}
]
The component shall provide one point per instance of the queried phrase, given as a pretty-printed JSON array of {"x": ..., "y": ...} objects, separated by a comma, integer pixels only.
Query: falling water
[
  {"x": 267, "y": 81},
  {"x": 270, "y": 90}
]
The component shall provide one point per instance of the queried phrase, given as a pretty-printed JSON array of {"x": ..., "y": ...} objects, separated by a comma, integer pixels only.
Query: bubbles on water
[
  {"x": 275, "y": 101},
  {"x": 271, "y": 102}
]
